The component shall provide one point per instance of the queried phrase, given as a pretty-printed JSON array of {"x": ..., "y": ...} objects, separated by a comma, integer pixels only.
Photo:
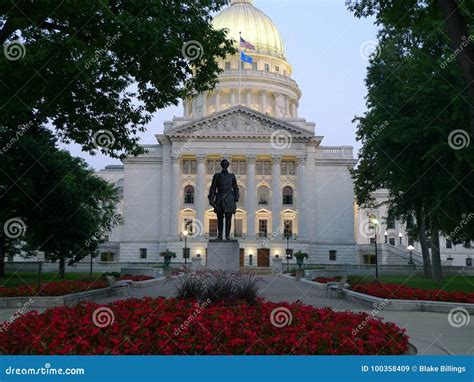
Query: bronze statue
[{"x": 224, "y": 196}]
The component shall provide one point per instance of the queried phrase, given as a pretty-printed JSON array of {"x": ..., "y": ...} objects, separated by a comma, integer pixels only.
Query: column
[
  {"x": 263, "y": 102},
  {"x": 175, "y": 196},
  {"x": 233, "y": 100},
  {"x": 200, "y": 192},
  {"x": 248, "y": 101},
  {"x": 165, "y": 191},
  {"x": 302, "y": 198},
  {"x": 251, "y": 200},
  {"x": 204, "y": 104},
  {"x": 218, "y": 101},
  {"x": 287, "y": 106},
  {"x": 277, "y": 199}
]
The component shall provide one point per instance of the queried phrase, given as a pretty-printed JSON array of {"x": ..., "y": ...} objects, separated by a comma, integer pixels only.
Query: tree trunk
[
  {"x": 462, "y": 46},
  {"x": 435, "y": 252},
  {"x": 62, "y": 267},
  {"x": 2, "y": 256},
  {"x": 420, "y": 218}
]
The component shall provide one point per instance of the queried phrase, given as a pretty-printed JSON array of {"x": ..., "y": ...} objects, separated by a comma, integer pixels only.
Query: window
[
  {"x": 213, "y": 166},
  {"x": 106, "y": 238},
  {"x": 238, "y": 229},
  {"x": 263, "y": 196},
  {"x": 468, "y": 262},
  {"x": 264, "y": 168},
  {"x": 369, "y": 259},
  {"x": 267, "y": 67},
  {"x": 372, "y": 218},
  {"x": 143, "y": 253},
  {"x": 332, "y": 255},
  {"x": 410, "y": 221},
  {"x": 285, "y": 73},
  {"x": 467, "y": 244},
  {"x": 262, "y": 228},
  {"x": 411, "y": 242},
  {"x": 288, "y": 228},
  {"x": 228, "y": 66},
  {"x": 189, "y": 167},
  {"x": 189, "y": 195},
  {"x": 277, "y": 68},
  {"x": 391, "y": 241},
  {"x": 255, "y": 65},
  {"x": 189, "y": 226},
  {"x": 288, "y": 168},
  {"x": 106, "y": 256},
  {"x": 239, "y": 167},
  {"x": 213, "y": 227},
  {"x": 287, "y": 196},
  {"x": 390, "y": 222},
  {"x": 449, "y": 244},
  {"x": 372, "y": 240}
]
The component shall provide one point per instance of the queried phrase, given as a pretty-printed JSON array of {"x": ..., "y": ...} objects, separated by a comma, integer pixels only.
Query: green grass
[
  {"x": 450, "y": 283},
  {"x": 15, "y": 279}
]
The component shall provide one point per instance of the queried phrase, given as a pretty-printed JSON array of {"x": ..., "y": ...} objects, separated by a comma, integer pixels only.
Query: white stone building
[{"x": 295, "y": 191}]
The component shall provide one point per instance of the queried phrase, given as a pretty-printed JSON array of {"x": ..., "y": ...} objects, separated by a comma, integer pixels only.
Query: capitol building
[{"x": 295, "y": 192}]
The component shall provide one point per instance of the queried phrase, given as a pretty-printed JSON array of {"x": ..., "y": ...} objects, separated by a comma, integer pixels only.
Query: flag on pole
[
  {"x": 246, "y": 58},
  {"x": 246, "y": 44}
]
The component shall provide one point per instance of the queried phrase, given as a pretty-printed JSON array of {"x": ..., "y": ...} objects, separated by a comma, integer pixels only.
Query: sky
[{"x": 328, "y": 48}]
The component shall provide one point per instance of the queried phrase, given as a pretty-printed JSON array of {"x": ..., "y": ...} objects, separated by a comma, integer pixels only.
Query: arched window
[
  {"x": 263, "y": 196},
  {"x": 189, "y": 195},
  {"x": 287, "y": 196}
]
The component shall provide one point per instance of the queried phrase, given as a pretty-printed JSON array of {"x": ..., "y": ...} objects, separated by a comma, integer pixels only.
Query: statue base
[{"x": 223, "y": 255}]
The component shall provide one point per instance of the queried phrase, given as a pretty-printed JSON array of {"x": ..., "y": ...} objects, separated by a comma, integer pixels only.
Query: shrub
[
  {"x": 54, "y": 288},
  {"x": 189, "y": 286}
]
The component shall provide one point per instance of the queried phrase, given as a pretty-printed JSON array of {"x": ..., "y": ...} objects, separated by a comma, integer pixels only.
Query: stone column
[
  {"x": 233, "y": 96},
  {"x": 293, "y": 110},
  {"x": 251, "y": 200},
  {"x": 276, "y": 196},
  {"x": 263, "y": 102},
  {"x": 287, "y": 106},
  {"x": 175, "y": 196},
  {"x": 204, "y": 104},
  {"x": 302, "y": 198},
  {"x": 248, "y": 98},
  {"x": 218, "y": 101},
  {"x": 201, "y": 192}
]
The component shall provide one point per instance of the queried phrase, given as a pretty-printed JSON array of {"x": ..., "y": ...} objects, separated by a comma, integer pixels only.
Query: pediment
[{"x": 237, "y": 122}]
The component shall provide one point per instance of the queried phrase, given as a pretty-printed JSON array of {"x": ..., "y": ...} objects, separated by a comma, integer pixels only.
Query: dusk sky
[{"x": 326, "y": 45}]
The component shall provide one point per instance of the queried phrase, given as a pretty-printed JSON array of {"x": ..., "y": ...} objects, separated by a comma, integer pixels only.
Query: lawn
[
  {"x": 450, "y": 283},
  {"x": 21, "y": 278}
]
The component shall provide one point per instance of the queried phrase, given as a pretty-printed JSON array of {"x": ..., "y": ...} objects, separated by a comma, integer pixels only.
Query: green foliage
[
  {"x": 91, "y": 66},
  {"x": 300, "y": 255},
  {"x": 168, "y": 254}
]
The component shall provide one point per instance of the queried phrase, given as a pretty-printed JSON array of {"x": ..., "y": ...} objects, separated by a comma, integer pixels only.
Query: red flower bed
[
  {"x": 400, "y": 292},
  {"x": 325, "y": 280},
  {"x": 136, "y": 278},
  {"x": 54, "y": 288},
  {"x": 178, "y": 327}
]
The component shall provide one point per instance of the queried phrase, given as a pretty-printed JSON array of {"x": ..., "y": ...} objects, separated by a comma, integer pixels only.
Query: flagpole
[{"x": 240, "y": 65}]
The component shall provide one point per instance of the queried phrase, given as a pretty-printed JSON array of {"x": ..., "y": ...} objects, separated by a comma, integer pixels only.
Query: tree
[
  {"x": 98, "y": 70},
  {"x": 413, "y": 108},
  {"x": 417, "y": 16},
  {"x": 51, "y": 201}
]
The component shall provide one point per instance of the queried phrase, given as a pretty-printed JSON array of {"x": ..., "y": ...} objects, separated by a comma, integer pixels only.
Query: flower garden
[
  {"x": 56, "y": 288},
  {"x": 400, "y": 292},
  {"x": 177, "y": 327}
]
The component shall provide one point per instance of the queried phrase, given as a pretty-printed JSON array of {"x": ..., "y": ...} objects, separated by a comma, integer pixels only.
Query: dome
[{"x": 256, "y": 27}]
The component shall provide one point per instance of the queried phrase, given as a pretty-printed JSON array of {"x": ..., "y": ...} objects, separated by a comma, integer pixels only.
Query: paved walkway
[{"x": 430, "y": 333}]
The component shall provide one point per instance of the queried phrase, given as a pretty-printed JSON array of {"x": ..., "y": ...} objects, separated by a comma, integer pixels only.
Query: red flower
[{"x": 53, "y": 288}]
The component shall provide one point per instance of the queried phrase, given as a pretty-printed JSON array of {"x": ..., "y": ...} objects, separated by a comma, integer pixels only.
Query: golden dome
[{"x": 256, "y": 27}]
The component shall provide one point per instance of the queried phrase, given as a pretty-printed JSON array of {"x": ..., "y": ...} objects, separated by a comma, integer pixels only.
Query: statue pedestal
[
  {"x": 196, "y": 263},
  {"x": 277, "y": 266},
  {"x": 223, "y": 255}
]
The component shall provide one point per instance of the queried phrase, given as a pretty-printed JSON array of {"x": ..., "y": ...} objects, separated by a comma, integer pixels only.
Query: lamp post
[
  {"x": 185, "y": 249},
  {"x": 250, "y": 259},
  {"x": 375, "y": 223},
  {"x": 289, "y": 252},
  {"x": 411, "y": 248},
  {"x": 386, "y": 237},
  {"x": 400, "y": 238}
]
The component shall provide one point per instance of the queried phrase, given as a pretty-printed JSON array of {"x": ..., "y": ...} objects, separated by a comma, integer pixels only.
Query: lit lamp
[
  {"x": 198, "y": 253},
  {"x": 400, "y": 237},
  {"x": 386, "y": 237},
  {"x": 375, "y": 223},
  {"x": 411, "y": 248},
  {"x": 186, "y": 251},
  {"x": 277, "y": 254}
]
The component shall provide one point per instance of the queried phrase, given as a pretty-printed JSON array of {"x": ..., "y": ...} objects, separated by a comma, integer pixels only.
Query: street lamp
[
  {"x": 250, "y": 259},
  {"x": 400, "y": 237},
  {"x": 411, "y": 248},
  {"x": 186, "y": 249},
  {"x": 386, "y": 237},
  {"x": 289, "y": 252},
  {"x": 375, "y": 223}
]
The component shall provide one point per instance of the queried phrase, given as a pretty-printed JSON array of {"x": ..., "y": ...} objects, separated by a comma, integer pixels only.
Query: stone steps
[{"x": 258, "y": 270}]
